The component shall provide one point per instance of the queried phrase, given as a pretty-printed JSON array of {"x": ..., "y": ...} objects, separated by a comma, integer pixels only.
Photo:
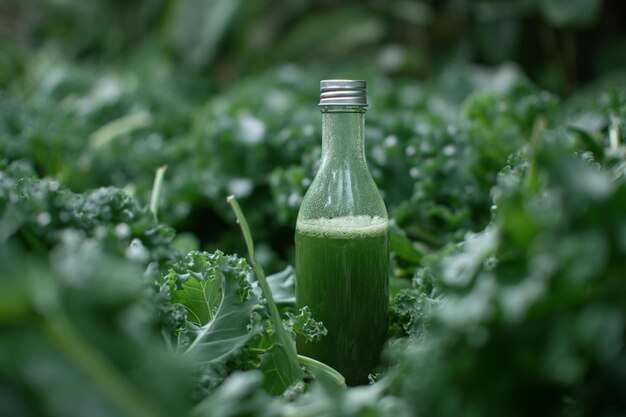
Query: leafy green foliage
[
  {"x": 240, "y": 395},
  {"x": 218, "y": 301},
  {"x": 507, "y": 205},
  {"x": 41, "y": 213},
  {"x": 280, "y": 363},
  {"x": 532, "y": 190},
  {"x": 524, "y": 299},
  {"x": 305, "y": 325},
  {"x": 283, "y": 286},
  {"x": 78, "y": 334}
]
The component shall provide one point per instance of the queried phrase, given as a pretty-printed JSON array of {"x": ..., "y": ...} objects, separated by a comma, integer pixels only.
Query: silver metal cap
[{"x": 343, "y": 93}]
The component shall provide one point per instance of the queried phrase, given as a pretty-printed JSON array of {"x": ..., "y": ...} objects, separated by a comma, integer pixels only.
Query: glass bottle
[{"x": 342, "y": 247}]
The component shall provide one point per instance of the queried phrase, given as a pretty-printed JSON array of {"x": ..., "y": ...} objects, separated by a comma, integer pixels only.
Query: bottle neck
[{"x": 343, "y": 133}]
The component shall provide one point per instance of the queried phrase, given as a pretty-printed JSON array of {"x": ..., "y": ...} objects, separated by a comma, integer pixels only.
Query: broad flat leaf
[
  {"x": 401, "y": 245},
  {"x": 200, "y": 296},
  {"x": 589, "y": 141},
  {"x": 219, "y": 301},
  {"x": 239, "y": 395},
  {"x": 283, "y": 286},
  {"x": 279, "y": 373}
]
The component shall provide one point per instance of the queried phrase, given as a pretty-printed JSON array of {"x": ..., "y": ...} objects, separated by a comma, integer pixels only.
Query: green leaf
[
  {"x": 283, "y": 286},
  {"x": 305, "y": 325},
  {"x": 401, "y": 245},
  {"x": 239, "y": 395},
  {"x": 280, "y": 363},
  {"x": 279, "y": 372},
  {"x": 200, "y": 295},
  {"x": 219, "y": 302}
]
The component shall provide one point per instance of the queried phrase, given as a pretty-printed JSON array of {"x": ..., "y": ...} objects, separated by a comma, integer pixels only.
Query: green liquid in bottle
[{"x": 342, "y": 270}]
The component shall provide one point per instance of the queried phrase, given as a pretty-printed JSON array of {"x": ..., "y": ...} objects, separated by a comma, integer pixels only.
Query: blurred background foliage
[
  {"x": 223, "y": 92},
  {"x": 496, "y": 134},
  {"x": 560, "y": 44}
]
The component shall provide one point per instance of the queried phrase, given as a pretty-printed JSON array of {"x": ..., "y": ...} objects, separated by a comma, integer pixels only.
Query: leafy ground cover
[
  {"x": 129, "y": 289},
  {"x": 508, "y": 245}
]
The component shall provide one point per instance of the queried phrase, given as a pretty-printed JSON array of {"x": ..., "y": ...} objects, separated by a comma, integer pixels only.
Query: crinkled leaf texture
[
  {"x": 305, "y": 325},
  {"x": 218, "y": 299}
]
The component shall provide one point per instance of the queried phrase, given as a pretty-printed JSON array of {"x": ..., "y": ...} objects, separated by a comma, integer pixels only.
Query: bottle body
[
  {"x": 342, "y": 277},
  {"x": 342, "y": 252}
]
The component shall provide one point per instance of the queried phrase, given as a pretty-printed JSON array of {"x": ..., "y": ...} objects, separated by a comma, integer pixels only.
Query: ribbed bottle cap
[{"x": 343, "y": 93}]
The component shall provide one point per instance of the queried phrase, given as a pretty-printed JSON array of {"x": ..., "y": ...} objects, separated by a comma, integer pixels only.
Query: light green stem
[
  {"x": 316, "y": 367},
  {"x": 614, "y": 133},
  {"x": 282, "y": 338},
  {"x": 118, "y": 127},
  {"x": 157, "y": 187},
  {"x": 532, "y": 177}
]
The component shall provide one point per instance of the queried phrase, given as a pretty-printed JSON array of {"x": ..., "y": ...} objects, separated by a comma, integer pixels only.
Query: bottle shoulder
[{"x": 342, "y": 190}]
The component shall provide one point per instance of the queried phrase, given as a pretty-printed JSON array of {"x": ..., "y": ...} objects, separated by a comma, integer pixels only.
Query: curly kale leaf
[
  {"x": 412, "y": 311},
  {"x": 305, "y": 325},
  {"x": 533, "y": 307},
  {"x": 218, "y": 302},
  {"x": 38, "y": 213}
]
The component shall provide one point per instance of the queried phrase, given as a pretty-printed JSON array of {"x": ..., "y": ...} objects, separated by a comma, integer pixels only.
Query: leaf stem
[
  {"x": 316, "y": 367},
  {"x": 282, "y": 338},
  {"x": 157, "y": 187},
  {"x": 118, "y": 127},
  {"x": 614, "y": 133}
]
